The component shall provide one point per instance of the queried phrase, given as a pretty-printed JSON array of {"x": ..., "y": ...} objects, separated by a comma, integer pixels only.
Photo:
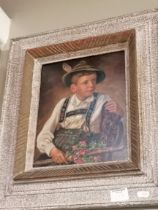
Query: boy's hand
[
  {"x": 112, "y": 106},
  {"x": 57, "y": 156}
]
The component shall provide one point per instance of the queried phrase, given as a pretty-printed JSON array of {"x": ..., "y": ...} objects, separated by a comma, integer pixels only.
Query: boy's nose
[{"x": 91, "y": 84}]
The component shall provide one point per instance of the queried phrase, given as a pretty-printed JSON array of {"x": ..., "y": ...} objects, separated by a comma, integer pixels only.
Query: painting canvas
[{"x": 110, "y": 142}]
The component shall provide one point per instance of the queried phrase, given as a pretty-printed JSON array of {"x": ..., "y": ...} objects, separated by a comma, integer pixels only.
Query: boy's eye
[{"x": 86, "y": 82}]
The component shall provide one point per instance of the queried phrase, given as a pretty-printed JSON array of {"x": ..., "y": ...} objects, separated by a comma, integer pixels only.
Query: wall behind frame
[{"x": 38, "y": 16}]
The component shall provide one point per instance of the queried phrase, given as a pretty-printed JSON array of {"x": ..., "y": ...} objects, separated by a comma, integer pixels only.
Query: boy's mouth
[{"x": 91, "y": 90}]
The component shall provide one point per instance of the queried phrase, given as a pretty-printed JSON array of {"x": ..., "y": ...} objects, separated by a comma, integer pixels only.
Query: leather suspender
[{"x": 88, "y": 111}]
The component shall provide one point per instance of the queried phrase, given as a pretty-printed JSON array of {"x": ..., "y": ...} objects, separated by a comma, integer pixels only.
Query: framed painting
[
  {"x": 113, "y": 152},
  {"x": 52, "y": 90},
  {"x": 115, "y": 59}
]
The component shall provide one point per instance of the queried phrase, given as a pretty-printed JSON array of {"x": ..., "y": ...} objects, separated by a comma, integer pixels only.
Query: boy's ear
[{"x": 73, "y": 88}]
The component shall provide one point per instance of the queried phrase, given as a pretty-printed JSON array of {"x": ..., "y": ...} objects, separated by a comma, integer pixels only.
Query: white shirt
[{"x": 44, "y": 139}]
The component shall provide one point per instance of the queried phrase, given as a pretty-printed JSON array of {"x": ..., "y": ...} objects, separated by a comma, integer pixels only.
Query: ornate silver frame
[{"x": 131, "y": 183}]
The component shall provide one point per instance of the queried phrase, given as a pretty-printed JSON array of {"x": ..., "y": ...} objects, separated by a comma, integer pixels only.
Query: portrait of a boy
[{"x": 86, "y": 126}]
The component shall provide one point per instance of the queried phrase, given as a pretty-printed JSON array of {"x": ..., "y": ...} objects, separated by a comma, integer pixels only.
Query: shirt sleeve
[{"x": 46, "y": 135}]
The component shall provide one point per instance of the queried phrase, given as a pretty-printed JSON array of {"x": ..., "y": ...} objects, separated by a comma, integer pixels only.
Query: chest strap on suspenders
[
  {"x": 76, "y": 112},
  {"x": 88, "y": 111}
]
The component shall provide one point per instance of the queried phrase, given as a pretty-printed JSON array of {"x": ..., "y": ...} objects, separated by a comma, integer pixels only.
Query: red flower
[{"x": 82, "y": 152}]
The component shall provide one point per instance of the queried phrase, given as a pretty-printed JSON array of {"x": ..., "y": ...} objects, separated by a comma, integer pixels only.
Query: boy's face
[{"x": 84, "y": 86}]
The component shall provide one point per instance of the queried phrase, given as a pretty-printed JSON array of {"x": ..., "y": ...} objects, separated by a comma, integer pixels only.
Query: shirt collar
[{"x": 77, "y": 102}]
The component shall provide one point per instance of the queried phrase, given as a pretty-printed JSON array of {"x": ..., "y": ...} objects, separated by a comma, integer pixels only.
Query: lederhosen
[
  {"x": 83, "y": 146},
  {"x": 75, "y": 141}
]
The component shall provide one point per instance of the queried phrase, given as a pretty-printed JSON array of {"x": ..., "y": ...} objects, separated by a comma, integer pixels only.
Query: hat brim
[{"x": 68, "y": 76}]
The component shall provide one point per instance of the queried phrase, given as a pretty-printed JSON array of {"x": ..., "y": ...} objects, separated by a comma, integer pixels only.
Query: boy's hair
[{"x": 80, "y": 74}]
